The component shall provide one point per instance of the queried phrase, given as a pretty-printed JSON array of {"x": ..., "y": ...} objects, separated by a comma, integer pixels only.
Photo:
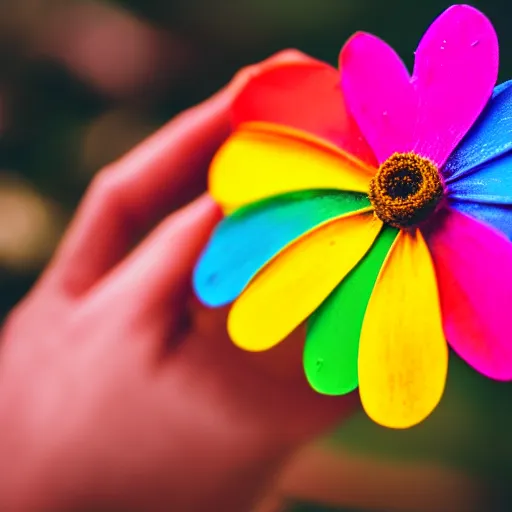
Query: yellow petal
[
  {"x": 262, "y": 159},
  {"x": 403, "y": 355},
  {"x": 286, "y": 291}
]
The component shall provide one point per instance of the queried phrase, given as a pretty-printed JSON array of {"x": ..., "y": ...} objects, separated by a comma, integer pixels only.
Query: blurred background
[{"x": 81, "y": 82}]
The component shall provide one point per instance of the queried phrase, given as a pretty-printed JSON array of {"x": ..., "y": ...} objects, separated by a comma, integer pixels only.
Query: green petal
[
  {"x": 243, "y": 243},
  {"x": 332, "y": 343}
]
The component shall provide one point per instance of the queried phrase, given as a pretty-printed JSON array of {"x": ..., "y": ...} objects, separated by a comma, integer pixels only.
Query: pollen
[{"x": 406, "y": 190}]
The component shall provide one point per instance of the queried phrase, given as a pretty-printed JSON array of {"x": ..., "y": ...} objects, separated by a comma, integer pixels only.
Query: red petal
[{"x": 305, "y": 96}]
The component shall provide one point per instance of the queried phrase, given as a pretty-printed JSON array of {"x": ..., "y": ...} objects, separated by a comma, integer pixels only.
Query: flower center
[{"x": 406, "y": 190}]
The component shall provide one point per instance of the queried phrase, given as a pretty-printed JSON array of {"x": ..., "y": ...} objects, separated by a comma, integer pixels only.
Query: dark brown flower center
[{"x": 406, "y": 190}]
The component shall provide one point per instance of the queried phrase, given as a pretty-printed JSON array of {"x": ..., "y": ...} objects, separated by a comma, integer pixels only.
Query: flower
[{"x": 378, "y": 208}]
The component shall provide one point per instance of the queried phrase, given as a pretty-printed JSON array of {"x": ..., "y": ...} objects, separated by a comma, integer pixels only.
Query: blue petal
[
  {"x": 490, "y": 183},
  {"x": 489, "y": 138},
  {"x": 486, "y": 194},
  {"x": 498, "y": 216},
  {"x": 500, "y": 88},
  {"x": 246, "y": 240}
]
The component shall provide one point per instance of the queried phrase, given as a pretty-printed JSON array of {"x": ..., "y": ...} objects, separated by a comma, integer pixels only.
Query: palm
[{"x": 269, "y": 386}]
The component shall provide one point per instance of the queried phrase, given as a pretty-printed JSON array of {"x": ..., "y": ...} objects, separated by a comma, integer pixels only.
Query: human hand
[{"x": 118, "y": 391}]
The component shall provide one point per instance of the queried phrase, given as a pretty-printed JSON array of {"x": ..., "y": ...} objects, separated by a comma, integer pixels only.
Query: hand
[{"x": 118, "y": 391}]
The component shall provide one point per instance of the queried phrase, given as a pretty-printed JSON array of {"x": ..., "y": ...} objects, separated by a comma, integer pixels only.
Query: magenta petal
[
  {"x": 474, "y": 272},
  {"x": 454, "y": 74},
  {"x": 378, "y": 92}
]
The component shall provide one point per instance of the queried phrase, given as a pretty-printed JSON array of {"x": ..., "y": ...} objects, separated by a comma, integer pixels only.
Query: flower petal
[
  {"x": 245, "y": 241},
  {"x": 486, "y": 194},
  {"x": 403, "y": 355},
  {"x": 460, "y": 47},
  {"x": 474, "y": 272},
  {"x": 261, "y": 160},
  {"x": 490, "y": 137},
  {"x": 497, "y": 216},
  {"x": 428, "y": 113},
  {"x": 298, "y": 280},
  {"x": 501, "y": 88},
  {"x": 306, "y": 96},
  {"x": 332, "y": 343},
  {"x": 489, "y": 184},
  {"x": 377, "y": 88}
]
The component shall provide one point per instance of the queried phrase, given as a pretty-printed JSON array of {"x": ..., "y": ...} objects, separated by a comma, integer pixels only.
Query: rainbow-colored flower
[{"x": 378, "y": 208}]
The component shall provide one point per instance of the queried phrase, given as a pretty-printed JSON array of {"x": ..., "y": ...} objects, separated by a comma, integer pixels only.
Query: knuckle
[
  {"x": 251, "y": 71},
  {"x": 24, "y": 316},
  {"x": 105, "y": 184},
  {"x": 104, "y": 179},
  {"x": 289, "y": 55}
]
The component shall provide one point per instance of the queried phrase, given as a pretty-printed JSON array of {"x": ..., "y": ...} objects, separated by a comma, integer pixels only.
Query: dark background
[{"x": 83, "y": 81}]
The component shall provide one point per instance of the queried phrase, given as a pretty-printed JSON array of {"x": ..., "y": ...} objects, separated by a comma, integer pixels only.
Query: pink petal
[
  {"x": 455, "y": 72},
  {"x": 377, "y": 89},
  {"x": 454, "y": 75},
  {"x": 474, "y": 272}
]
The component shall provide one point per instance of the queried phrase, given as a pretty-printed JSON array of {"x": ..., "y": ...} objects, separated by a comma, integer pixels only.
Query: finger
[
  {"x": 133, "y": 194},
  {"x": 159, "y": 269}
]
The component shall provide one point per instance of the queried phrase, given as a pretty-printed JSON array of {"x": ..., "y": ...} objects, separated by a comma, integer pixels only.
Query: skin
[{"x": 118, "y": 391}]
